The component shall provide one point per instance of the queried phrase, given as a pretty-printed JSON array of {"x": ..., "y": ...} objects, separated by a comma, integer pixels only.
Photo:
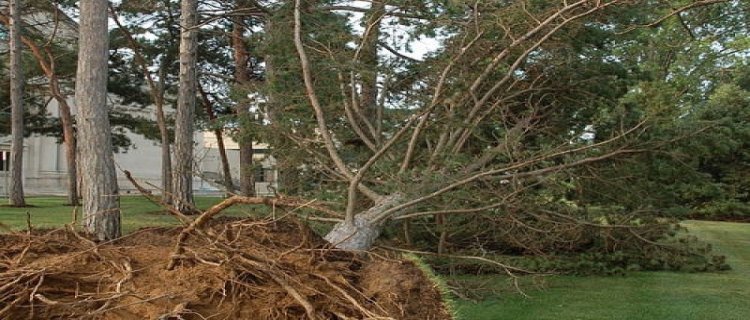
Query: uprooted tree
[
  {"x": 505, "y": 120},
  {"x": 501, "y": 113}
]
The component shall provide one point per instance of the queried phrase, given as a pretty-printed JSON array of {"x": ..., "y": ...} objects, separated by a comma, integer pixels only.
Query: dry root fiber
[{"x": 232, "y": 270}]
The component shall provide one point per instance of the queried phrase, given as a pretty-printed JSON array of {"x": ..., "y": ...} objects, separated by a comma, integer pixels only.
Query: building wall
[{"x": 45, "y": 169}]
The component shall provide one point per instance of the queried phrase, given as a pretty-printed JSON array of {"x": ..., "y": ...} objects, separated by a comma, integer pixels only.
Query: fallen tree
[{"x": 493, "y": 111}]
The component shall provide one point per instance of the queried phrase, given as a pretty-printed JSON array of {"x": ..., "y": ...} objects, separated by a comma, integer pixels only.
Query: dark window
[
  {"x": 4, "y": 160},
  {"x": 264, "y": 174}
]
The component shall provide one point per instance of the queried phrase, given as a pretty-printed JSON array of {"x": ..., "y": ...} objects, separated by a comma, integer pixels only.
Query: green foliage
[
  {"x": 699, "y": 163},
  {"x": 687, "y": 254},
  {"x": 690, "y": 92},
  {"x": 288, "y": 109},
  {"x": 639, "y": 295},
  {"x": 725, "y": 160},
  {"x": 592, "y": 242}
]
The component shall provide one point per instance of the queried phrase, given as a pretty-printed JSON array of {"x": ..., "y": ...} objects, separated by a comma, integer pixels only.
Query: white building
[{"x": 45, "y": 170}]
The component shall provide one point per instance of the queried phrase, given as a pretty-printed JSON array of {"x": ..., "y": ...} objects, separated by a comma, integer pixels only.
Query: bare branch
[
  {"x": 504, "y": 175},
  {"x": 391, "y": 13},
  {"x": 456, "y": 142},
  {"x": 435, "y": 99}
]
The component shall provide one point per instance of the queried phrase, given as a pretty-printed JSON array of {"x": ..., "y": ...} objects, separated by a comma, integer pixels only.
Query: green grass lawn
[
  {"x": 137, "y": 212},
  {"x": 640, "y": 295}
]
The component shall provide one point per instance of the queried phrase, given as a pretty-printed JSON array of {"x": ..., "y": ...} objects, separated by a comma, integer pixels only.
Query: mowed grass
[
  {"x": 137, "y": 212},
  {"x": 641, "y": 295}
]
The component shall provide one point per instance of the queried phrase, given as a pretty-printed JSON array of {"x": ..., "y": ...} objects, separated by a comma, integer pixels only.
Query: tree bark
[
  {"x": 442, "y": 228},
  {"x": 46, "y": 62},
  {"x": 166, "y": 154},
  {"x": 369, "y": 99},
  {"x": 16, "y": 195},
  {"x": 66, "y": 120},
  {"x": 69, "y": 139},
  {"x": 166, "y": 144},
  {"x": 183, "y": 150},
  {"x": 242, "y": 79},
  {"x": 101, "y": 209},
  {"x": 218, "y": 132}
]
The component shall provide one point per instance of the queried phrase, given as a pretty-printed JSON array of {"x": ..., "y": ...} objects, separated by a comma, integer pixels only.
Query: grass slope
[{"x": 641, "y": 295}]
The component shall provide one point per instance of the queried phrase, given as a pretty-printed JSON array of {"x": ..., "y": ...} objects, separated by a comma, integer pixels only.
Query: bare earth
[{"x": 233, "y": 270}]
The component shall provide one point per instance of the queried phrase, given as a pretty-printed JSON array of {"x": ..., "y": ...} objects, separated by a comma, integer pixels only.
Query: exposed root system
[{"x": 238, "y": 269}]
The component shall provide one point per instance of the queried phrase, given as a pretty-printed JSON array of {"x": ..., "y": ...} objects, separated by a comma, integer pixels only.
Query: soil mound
[{"x": 230, "y": 270}]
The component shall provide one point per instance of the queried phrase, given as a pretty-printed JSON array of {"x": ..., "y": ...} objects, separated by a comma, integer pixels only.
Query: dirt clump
[{"x": 241, "y": 269}]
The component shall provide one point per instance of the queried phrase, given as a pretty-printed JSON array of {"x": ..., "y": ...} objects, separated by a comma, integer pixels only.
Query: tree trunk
[
  {"x": 70, "y": 151},
  {"x": 166, "y": 158},
  {"x": 167, "y": 172},
  {"x": 16, "y": 99},
  {"x": 69, "y": 138},
  {"x": 361, "y": 233},
  {"x": 370, "y": 63},
  {"x": 161, "y": 122},
  {"x": 101, "y": 210},
  {"x": 226, "y": 170},
  {"x": 157, "y": 95},
  {"x": 442, "y": 228},
  {"x": 183, "y": 150},
  {"x": 242, "y": 79},
  {"x": 407, "y": 232},
  {"x": 48, "y": 67}
]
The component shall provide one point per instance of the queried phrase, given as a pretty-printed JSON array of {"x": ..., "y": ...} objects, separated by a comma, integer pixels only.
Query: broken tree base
[
  {"x": 364, "y": 228},
  {"x": 359, "y": 235},
  {"x": 243, "y": 270}
]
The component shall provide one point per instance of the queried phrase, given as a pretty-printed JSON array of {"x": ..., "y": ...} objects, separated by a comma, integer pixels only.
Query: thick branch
[
  {"x": 387, "y": 213},
  {"x": 350, "y": 116},
  {"x": 146, "y": 193},
  {"x": 312, "y": 96},
  {"x": 361, "y": 172},
  {"x": 391, "y": 13}
]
